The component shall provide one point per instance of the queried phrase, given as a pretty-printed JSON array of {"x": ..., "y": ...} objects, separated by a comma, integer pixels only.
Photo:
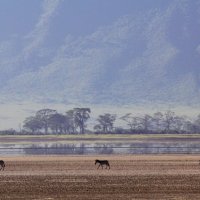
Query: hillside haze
[{"x": 101, "y": 53}]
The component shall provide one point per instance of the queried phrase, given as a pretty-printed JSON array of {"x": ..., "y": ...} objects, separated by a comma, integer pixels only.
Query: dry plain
[{"x": 76, "y": 177}]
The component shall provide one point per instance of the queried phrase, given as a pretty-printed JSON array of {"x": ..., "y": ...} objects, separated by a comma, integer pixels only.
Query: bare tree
[
  {"x": 106, "y": 122},
  {"x": 134, "y": 122},
  {"x": 128, "y": 118}
]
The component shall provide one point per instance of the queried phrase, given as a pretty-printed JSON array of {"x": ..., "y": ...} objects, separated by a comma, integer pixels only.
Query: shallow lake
[{"x": 88, "y": 148}]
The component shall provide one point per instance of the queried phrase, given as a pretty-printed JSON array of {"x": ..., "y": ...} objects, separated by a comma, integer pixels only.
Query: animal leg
[{"x": 108, "y": 165}]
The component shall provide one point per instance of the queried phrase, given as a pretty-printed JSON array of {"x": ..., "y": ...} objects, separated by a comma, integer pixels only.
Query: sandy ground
[{"x": 76, "y": 177}]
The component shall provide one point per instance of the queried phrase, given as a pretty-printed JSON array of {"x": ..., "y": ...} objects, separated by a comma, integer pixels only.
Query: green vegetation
[{"x": 93, "y": 137}]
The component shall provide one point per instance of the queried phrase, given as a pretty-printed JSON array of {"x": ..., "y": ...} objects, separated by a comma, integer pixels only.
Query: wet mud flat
[{"x": 76, "y": 177}]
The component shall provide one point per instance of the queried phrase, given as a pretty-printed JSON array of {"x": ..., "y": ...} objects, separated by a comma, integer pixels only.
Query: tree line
[{"x": 74, "y": 121}]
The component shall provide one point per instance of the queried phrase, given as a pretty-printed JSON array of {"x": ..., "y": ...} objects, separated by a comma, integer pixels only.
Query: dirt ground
[{"x": 76, "y": 177}]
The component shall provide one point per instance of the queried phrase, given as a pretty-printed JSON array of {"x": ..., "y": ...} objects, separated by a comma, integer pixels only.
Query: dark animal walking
[
  {"x": 101, "y": 163},
  {"x": 2, "y": 164}
]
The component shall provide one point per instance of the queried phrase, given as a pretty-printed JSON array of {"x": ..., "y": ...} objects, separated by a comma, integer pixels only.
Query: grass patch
[{"x": 96, "y": 137}]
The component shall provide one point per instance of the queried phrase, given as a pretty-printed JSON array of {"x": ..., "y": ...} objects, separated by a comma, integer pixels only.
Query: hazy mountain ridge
[{"x": 141, "y": 58}]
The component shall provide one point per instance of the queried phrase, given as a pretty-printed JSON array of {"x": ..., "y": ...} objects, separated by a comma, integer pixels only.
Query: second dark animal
[
  {"x": 101, "y": 163},
  {"x": 2, "y": 164}
]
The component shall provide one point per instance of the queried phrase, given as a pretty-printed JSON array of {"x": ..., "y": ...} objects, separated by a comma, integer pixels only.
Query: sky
[
  {"x": 80, "y": 17},
  {"x": 118, "y": 55}
]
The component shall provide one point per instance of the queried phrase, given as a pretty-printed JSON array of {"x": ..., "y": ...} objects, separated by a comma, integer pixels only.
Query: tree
[
  {"x": 33, "y": 124},
  {"x": 169, "y": 120},
  {"x": 133, "y": 122},
  {"x": 129, "y": 120},
  {"x": 196, "y": 124},
  {"x": 106, "y": 122},
  {"x": 179, "y": 123},
  {"x": 70, "y": 118},
  {"x": 192, "y": 127},
  {"x": 57, "y": 122},
  {"x": 44, "y": 115},
  {"x": 81, "y": 115},
  {"x": 146, "y": 122},
  {"x": 97, "y": 128},
  {"x": 158, "y": 121}
]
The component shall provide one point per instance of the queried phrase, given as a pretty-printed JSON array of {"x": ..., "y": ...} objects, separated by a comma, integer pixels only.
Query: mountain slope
[{"x": 145, "y": 58}]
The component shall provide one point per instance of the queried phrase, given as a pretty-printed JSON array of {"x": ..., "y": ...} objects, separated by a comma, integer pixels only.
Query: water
[{"x": 84, "y": 148}]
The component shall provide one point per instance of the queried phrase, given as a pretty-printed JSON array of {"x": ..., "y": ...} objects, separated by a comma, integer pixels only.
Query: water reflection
[
  {"x": 103, "y": 149},
  {"x": 98, "y": 148},
  {"x": 56, "y": 149}
]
